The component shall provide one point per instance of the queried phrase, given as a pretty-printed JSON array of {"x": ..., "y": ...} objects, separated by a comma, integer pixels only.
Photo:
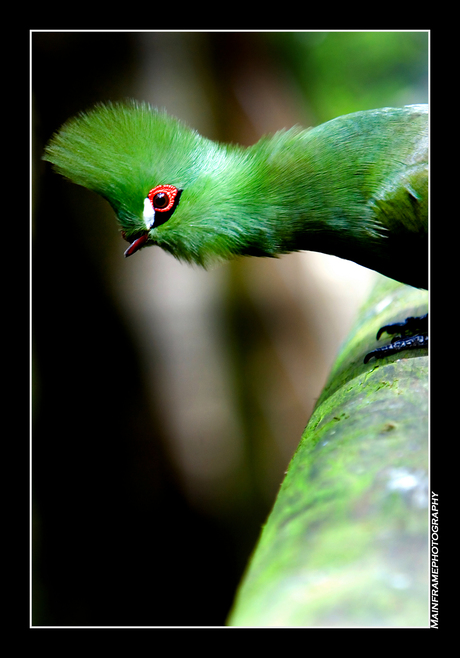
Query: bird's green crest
[{"x": 121, "y": 151}]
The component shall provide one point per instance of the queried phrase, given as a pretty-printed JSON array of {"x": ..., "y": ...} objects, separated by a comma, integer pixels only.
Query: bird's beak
[{"x": 137, "y": 244}]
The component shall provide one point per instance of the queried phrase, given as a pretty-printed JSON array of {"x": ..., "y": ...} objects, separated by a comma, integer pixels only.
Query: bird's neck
[{"x": 297, "y": 196}]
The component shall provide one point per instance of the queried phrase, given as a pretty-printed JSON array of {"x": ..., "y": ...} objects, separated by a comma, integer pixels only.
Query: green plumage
[{"x": 355, "y": 187}]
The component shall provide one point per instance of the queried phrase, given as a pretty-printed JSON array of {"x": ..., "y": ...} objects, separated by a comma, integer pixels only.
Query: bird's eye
[
  {"x": 160, "y": 200},
  {"x": 163, "y": 197}
]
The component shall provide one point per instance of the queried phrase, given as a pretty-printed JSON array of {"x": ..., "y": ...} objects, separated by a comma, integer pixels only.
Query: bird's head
[{"x": 161, "y": 178}]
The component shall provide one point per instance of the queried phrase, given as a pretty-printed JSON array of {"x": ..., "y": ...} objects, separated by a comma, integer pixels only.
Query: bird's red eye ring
[{"x": 162, "y": 197}]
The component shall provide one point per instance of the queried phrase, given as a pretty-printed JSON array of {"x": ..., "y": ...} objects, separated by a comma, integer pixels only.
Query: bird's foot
[{"x": 408, "y": 335}]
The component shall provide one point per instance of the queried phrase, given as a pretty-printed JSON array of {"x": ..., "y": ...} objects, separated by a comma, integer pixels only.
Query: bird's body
[{"x": 355, "y": 187}]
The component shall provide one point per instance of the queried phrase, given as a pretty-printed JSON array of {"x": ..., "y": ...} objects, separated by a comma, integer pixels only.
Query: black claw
[
  {"x": 395, "y": 346},
  {"x": 410, "y": 326},
  {"x": 410, "y": 334}
]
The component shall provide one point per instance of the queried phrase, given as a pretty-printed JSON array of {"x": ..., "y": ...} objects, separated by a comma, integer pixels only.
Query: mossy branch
[{"x": 346, "y": 543}]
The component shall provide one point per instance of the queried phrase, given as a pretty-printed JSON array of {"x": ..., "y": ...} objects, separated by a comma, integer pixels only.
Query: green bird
[{"x": 355, "y": 187}]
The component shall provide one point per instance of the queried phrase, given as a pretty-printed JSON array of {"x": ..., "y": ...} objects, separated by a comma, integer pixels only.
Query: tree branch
[{"x": 346, "y": 543}]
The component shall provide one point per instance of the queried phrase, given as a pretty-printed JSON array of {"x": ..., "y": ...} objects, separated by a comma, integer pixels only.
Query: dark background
[{"x": 167, "y": 401}]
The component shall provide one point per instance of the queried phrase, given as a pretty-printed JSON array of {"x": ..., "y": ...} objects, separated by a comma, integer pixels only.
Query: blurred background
[{"x": 168, "y": 400}]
